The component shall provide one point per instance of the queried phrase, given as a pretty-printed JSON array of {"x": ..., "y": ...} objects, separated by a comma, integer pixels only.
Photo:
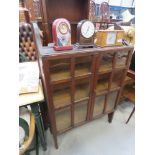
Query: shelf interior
[
  {"x": 63, "y": 119},
  {"x": 103, "y": 82},
  {"x": 72, "y": 10},
  {"x": 80, "y": 112},
  {"x": 82, "y": 88},
  {"x": 106, "y": 62},
  {"x": 83, "y": 65},
  {"x": 61, "y": 95},
  {"x": 111, "y": 101},
  {"x": 60, "y": 69},
  {"x": 121, "y": 59},
  {"x": 98, "y": 105},
  {"x": 117, "y": 78}
]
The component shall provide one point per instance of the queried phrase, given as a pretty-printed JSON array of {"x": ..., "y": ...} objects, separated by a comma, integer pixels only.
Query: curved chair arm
[
  {"x": 131, "y": 74},
  {"x": 28, "y": 142}
]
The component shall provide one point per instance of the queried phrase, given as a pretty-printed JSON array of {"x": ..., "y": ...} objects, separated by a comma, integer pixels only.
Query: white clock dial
[
  {"x": 87, "y": 29},
  {"x": 63, "y": 28}
]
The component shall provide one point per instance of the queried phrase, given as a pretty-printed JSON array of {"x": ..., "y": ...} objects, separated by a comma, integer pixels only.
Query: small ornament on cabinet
[
  {"x": 61, "y": 34},
  {"x": 109, "y": 38},
  {"x": 85, "y": 34}
]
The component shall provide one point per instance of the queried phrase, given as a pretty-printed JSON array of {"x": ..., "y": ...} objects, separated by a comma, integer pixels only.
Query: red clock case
[{"x": 57, "y": 36}]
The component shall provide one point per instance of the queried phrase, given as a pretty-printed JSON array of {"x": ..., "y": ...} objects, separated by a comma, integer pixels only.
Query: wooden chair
[
  {"x": 129, "y": 91},
  {"x": 28, "y": 52},
  {"x": 29, "y": 135}
]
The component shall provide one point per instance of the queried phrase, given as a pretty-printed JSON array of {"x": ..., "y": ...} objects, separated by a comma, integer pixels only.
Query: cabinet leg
[
  {"x": 39, "y": 125},
  {"x": 110, "y": 117},
  {"x": 54, "y": 137},
  {"x": 55, "y": 141}
]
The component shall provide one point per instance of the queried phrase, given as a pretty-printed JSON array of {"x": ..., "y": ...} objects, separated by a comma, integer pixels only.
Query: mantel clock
[
  {"x": 85, "y": 33},
  {"x": 61, "y": 34}
]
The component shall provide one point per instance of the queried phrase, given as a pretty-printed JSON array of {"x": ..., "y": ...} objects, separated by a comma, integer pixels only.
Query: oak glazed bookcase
[{"x": 81, "y": 84}]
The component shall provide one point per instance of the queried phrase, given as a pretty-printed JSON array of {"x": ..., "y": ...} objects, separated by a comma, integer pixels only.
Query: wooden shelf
[
  {"x": 101, "y": 87},
  {"x": 103, "y": 72},
  {"x": 83, "y": 99},
  {"x": 60, "y": 75},
  {"x": 117, "y": 68},
  {"x": 83, "y": 65},
  {"x": 61, "y": 81},
  {"x": 101, "y": 93},
  {"x": 81, "y": 92},
  {"x": 62, "y": 107},
  {"x": 80, "y": 112},
  {"x": 103, "y": 82},
  {"x": 114, "y": 89},
  {"x": 61, "y": 96},
  {"x": 105, "y": 68},
  {"x": 60, "y": 69},
  {"x": 80, "y": 77},
  {"x": 82, "y": 70},
  {"x": 61, "y": 99},
  {"x": 82, "y": 89},
  {"x": 120, "y": 65}
]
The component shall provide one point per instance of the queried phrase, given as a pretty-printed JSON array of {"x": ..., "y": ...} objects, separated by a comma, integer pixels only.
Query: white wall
[
  {"x": 127, "y": 3},
  {"x": 115, "y": 2},
  {"x": 124, "y": 3}
]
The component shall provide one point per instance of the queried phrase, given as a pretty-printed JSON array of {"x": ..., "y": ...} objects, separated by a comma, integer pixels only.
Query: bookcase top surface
[{"x": 48, "y": 51}]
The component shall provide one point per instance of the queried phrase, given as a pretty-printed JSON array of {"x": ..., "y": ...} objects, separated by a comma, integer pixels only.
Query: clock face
[
  {"x": 63, "y": 28},
  {"x": 87, "y": 29}
]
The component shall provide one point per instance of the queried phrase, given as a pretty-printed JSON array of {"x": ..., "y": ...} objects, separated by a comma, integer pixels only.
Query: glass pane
[
  {"x": 83, "y": 65},
  {"x": 111, "y": 101},
  {"x": 80, "y": 112},
  {"x": 117, "y": 78},
  {"x": 121, "y": 59},
  {"x": 61, "y": 95},
  {"x": 103, "y": 82},
  {"x": 99, "y": 105},
  {"x": 59, "y": 69},
  {"x": 82, "y": 88},
  {"x": 106, "y": 62},
  {"x": 63, "y": 119}
]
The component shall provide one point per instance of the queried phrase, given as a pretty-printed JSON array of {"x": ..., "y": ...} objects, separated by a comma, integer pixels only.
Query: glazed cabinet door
[
  {"x": 108, "y": 77},
  {"x": 71, "y": 80},
  {"x": 83, "y": 82}
]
